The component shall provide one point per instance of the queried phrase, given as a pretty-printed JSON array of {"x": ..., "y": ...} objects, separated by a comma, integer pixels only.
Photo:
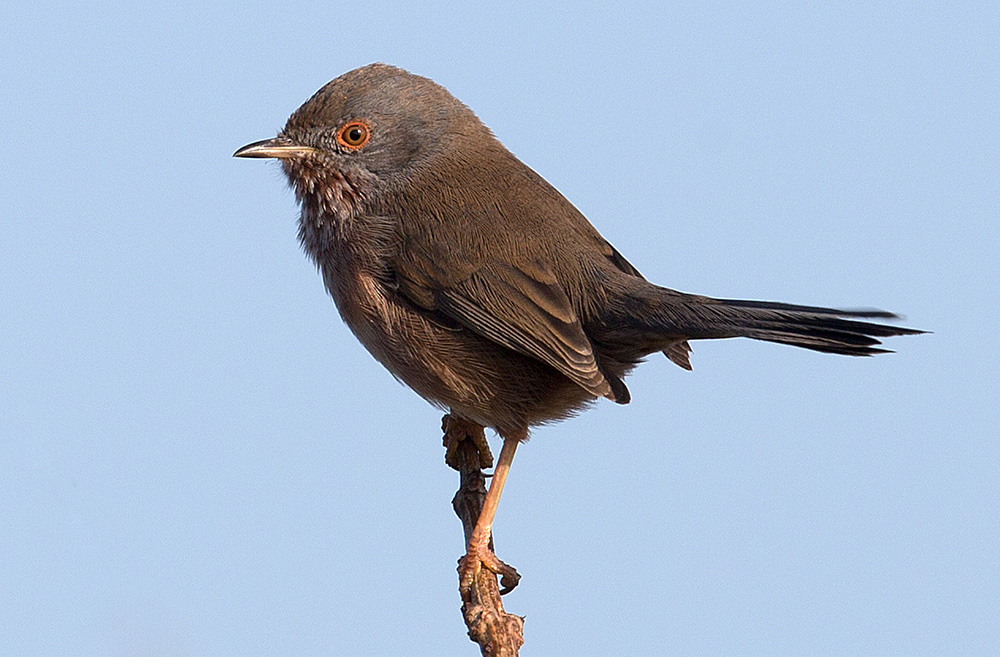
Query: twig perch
[{"x": 498, "y": 633}]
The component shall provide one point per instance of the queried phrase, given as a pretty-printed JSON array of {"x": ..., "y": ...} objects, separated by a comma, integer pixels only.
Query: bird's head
[{"x": 364, "y": 135}]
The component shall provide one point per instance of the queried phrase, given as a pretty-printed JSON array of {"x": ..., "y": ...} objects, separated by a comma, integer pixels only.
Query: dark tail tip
[{"x": 829, "y": 330}]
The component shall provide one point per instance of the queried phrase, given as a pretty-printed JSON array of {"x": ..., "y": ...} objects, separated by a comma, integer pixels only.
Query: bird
[{"x": 480, "y": 286}]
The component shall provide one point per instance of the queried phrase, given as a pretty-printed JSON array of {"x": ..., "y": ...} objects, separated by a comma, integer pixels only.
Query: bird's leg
[
  {"x": 457, "y": 429},
  {"x": 478, "y": 552}
]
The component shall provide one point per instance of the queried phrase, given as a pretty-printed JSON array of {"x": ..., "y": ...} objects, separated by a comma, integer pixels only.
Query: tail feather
[
  {"x": 678, "y": 317},
  {"x": 829, "y": 330},
  {"x": 873, "y": 313}
]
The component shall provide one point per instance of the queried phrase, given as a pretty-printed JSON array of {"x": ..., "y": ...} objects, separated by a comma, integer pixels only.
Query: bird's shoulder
[{"x": 491, "y": 208}]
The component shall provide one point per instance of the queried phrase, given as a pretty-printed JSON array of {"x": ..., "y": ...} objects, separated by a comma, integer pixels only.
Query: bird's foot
[
  {"x": 481, "y": 556},
  {"x": 457, "y": 429}
]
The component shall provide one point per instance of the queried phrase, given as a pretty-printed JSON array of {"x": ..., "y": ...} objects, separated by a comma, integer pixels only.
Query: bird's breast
[{"x": 353, "y": 257}]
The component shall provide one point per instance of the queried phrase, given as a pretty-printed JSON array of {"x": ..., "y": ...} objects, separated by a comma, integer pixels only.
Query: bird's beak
[{"x": 279, "y": 147}]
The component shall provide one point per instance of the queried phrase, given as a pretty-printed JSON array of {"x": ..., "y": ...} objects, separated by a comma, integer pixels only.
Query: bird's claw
[{"x": 479, "y": 557}]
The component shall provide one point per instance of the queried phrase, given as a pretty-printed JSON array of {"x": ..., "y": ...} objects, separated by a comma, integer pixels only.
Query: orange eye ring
[{"x": 354, "y": 135}]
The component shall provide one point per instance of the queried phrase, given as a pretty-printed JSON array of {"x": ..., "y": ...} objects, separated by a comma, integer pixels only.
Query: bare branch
[{"x": 498, "y": 633}]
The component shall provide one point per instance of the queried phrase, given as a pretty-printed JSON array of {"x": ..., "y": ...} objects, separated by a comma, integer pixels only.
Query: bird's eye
[{"x": 354, "y": 135}]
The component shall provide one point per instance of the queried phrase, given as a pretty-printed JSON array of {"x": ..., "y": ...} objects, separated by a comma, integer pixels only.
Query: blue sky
[{"x": 199, "y": 459}]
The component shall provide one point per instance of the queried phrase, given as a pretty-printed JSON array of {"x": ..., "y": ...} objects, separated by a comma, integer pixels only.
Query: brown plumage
[{"x": 474, "y": 281}]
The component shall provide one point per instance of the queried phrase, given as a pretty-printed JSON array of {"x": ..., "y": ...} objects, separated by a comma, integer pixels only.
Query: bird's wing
[{"x": 521, "y": 307}]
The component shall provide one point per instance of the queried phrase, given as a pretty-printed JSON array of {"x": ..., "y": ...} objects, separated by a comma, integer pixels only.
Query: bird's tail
[{"x": 677, "y": 317}]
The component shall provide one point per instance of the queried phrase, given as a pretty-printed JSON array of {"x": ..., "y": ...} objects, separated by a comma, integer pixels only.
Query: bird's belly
[
  {"x": 451, "y": 367},
  {"x": 423, "y": 355}
]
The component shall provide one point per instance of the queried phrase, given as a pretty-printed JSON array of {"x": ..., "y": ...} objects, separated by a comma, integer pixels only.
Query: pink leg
[{"x": 478, "y": 553}]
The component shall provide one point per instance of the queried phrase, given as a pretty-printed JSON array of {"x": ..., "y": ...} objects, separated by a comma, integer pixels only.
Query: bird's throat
[{"x": 326, "y": 193}]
